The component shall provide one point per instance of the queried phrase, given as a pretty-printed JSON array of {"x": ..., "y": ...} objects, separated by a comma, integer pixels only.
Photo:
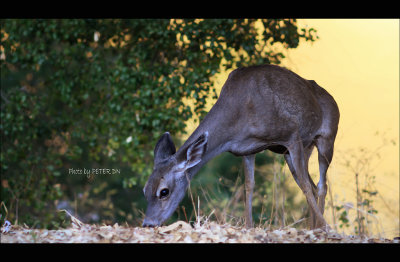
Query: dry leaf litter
[{"x": 179, "y": 232}]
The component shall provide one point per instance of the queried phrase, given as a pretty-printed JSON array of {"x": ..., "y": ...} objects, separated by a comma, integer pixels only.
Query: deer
[{"x": 260, "y": 107}]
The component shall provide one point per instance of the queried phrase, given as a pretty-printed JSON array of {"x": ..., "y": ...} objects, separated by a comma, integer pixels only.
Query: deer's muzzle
[{"x": 148, "y": 222}]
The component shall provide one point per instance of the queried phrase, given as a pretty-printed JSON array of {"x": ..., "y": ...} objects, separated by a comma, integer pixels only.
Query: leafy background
[{"x": 98, "y": 93}]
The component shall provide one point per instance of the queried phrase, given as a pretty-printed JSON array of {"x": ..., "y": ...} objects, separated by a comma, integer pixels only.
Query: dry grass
[{"x": 202, "y": 231}]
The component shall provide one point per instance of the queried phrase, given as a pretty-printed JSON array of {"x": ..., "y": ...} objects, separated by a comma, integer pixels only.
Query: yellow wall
[{"x": 357, "y": 62}]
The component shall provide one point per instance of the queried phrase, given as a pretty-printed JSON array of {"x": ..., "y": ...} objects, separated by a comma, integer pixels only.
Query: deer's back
[{"x": 270, "y": 103}]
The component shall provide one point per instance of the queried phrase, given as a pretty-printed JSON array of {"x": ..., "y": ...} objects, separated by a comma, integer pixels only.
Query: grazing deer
[{"x": 260, "y": 107}]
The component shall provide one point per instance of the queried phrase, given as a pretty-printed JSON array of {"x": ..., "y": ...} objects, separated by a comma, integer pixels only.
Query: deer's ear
[
  {"x": 196, "y": 151},
  {"x": 164, "y": 148}
]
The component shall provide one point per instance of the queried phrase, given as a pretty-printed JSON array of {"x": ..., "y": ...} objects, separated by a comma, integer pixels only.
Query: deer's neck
[{"x": 218, "y": 138}]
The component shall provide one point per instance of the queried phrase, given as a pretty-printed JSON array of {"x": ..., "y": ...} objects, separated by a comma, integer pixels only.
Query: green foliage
[
  {"x": 342, "y": 216},
  {"x": 364, "y": 210},
  {"x": 98, "y": 93},
  {"x": 361, "y": 216}
]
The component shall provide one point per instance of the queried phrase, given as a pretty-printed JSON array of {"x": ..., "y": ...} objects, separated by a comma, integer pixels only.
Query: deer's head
[{"x": 167, "y": 184}]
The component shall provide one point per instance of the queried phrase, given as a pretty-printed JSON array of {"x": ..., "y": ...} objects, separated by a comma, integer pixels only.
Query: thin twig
[
  {"x": 75, "y": 221},
  {"x": 191, "y": 195},
  {"x": 298, "y": 221}
]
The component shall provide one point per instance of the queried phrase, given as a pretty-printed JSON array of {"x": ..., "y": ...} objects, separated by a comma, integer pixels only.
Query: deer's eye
[{"x": 164, "y": 193}]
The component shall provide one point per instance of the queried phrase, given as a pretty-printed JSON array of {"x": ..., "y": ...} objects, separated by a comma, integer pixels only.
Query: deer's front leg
[{"x": 248, "y": 163}]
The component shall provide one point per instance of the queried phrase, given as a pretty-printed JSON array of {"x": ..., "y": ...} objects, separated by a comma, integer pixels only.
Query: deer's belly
[{"x": 253, "y": 146}]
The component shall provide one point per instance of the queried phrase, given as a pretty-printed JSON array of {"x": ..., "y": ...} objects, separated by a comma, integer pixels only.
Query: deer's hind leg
[
  {"x": 297, "y": 156},
  {"x": 307, "y": 153},
  {"x": 325, "y": 154}
]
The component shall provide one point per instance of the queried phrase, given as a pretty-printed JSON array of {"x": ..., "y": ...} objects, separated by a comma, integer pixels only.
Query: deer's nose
[{"x": 148, "y": 223}]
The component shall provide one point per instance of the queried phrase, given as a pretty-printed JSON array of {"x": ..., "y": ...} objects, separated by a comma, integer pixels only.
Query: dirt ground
[{"x": 179, "y": 232}]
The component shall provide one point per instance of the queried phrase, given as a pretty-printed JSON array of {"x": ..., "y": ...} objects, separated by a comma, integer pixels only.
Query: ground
[{"x": 179, "y": 232}]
